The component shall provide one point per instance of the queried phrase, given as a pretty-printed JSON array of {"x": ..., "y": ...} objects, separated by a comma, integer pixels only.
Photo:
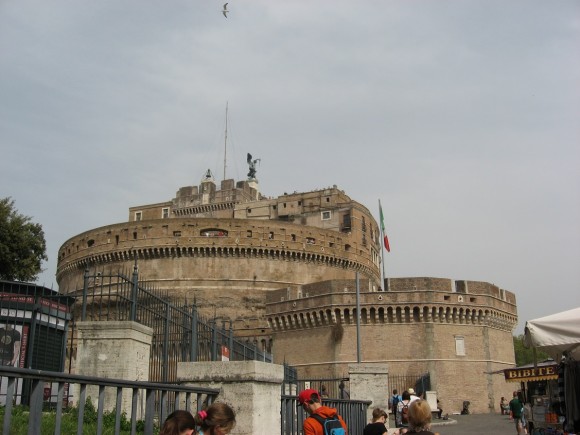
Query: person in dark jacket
[{"x": 377, "y": 427}]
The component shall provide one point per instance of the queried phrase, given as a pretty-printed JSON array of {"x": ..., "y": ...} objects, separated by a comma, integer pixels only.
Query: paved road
[{"x": 474, "y": 424}]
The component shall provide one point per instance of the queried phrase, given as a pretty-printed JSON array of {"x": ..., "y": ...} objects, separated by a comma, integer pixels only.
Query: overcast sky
[{"x": 462, "y": 117}]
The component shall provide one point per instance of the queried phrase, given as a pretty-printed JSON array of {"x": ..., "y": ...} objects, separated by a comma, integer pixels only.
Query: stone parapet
[
  {"x": 370, "y": 381},
  {"x": 311, "y": 307},
  {"x": 113, "y": 349},
  {"x": 251, "y": 388}
]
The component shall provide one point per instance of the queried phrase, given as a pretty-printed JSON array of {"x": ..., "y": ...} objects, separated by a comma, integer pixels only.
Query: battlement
[{"x": 415, "y": 300}]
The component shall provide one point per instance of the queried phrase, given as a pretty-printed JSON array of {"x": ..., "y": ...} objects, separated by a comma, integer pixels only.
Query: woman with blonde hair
[
  {"x": 217, "y": 419},
  {"x": 420, "y": 418}
]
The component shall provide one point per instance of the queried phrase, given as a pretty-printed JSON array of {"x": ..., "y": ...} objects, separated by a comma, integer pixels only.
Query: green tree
[
  {"x": 22, "y": 244},
  {"x": 525, "y": 355}
]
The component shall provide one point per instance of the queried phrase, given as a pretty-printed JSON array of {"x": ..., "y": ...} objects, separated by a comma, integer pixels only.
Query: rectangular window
[
  {"x": 325, "y": 215},
  {"x": 138, "y": 215},
  {"x": 459, "y": 346},
  {"x": 176, "y": 233},
  {"x": 164, "y": 212}
]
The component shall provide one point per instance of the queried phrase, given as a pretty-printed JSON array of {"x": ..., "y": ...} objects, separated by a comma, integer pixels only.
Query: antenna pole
[{"x": 226, "y": 141}]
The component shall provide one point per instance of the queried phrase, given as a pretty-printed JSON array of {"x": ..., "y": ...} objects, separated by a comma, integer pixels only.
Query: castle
[{"x": 283, "y": 269}]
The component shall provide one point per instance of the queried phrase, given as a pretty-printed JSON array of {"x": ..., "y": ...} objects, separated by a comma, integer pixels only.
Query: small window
[
  {"x": 213, "y": 232},
  {"x": 249, "y": 233},
  {"x": 249, "y": 210},
  {"x": 327, "y": 199},
  {"x": 325, "y": 215},
  {"x": 459, "y": 346},
  {"x": 176, "y": 233},
  {"x": 164, "y": 212},
  {"x": 90, "y": 243},
  {"x": 134, "y": 235},
  {"x": 270, "y": 235},
  {"x": 138, "y": 215},
  {"x": 299, "y": 202},
  {"x": 293, "y": 237},
  {"x": 273, "y": 207},
  {"x": 310, "y": 240}
]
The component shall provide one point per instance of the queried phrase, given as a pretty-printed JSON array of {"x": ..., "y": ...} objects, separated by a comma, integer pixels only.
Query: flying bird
[{"x": 225, "y": 11}]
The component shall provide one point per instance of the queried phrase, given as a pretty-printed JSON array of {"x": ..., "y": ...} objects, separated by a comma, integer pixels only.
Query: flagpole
[{"x": 382, "y": 246}]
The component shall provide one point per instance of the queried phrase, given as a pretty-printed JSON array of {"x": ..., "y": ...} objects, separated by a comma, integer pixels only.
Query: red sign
[{"x": 225, "y": 353}]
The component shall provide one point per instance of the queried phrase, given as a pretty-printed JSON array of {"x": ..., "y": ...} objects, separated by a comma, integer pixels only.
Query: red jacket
[{"x": 313, "y": 427}]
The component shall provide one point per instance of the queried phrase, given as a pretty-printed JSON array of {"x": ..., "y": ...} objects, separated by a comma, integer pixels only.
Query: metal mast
[{"x": 226, "y": 141}]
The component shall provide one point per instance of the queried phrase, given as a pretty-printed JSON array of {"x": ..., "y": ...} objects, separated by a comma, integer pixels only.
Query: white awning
[{"x": 555, "y": 334}]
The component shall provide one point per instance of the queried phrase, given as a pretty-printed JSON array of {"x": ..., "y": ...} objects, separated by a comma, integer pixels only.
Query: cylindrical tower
[{"x": 457, "y": 332}]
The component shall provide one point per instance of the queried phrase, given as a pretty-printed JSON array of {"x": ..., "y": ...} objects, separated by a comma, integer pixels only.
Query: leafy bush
[{"x": 21, "y": 414}]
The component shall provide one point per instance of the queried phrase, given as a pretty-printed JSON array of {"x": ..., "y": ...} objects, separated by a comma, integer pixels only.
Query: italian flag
[{"x": 385, "y": 238}]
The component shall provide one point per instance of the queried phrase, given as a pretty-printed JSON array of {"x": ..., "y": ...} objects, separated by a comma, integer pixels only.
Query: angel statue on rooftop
[{"x": 252, "y": 166}]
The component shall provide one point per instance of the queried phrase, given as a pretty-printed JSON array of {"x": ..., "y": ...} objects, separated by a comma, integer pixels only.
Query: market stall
[
  {"x": 539, "y": 384},
  {"x": 559, "y": 336}
]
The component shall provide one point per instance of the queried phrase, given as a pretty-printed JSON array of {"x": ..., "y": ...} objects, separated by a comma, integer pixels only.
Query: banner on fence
[{"x": 225, "y": 353}]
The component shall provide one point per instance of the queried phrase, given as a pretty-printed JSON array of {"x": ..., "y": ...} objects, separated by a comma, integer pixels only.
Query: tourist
[
  {"x": 217, "y": 419},
  {"x": 413, "y": 395},
  {"x": 517, "y": 410},
  {"x": 393, "y": 402},
  {"x": 420, "y": 418},
  {"x": 377, "y": 427},
  {"x": 178, "y": 423},
  {"x": 402, "y": 419},
  {"x": 504, "y": 406},
  {"x": 317, "y": 413}
]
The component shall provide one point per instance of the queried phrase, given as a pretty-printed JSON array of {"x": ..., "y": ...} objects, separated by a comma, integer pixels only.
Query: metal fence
[
  {"x": 353, "y": 412},
  {"x": 49, "y": 402},
  {"x": 179, "y": 332},
  {"x": 335, "y": 393},
  {"x": 420, "y": 383}
]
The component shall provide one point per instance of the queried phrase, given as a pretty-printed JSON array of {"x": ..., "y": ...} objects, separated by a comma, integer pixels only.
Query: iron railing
[
  {"x": 353, "y": 412},
  {"x": 49, "y": 394},
  {"x": 420, "y": 383},
  {"x": 180, "y": 334}
]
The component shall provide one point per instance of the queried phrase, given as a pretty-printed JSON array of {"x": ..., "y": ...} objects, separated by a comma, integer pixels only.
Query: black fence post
[
  {"x": 213, "y": 325},
  {"x": 231, "y": 340},
  {"x": 134, "y": 292},
  {"x": 194, "y": 340},
  {"x": 165, "y": 365}
]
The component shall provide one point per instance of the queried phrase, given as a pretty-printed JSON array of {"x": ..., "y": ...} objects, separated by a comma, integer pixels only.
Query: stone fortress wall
[
  {"x": 282, "y": 270},
  {"x": 230, "y": 254},
  {"x": 458, "y": 331}
]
